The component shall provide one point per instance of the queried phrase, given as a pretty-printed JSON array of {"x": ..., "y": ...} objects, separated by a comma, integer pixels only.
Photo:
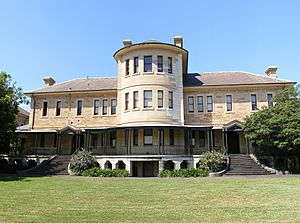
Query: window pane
[
  {"x": 148, "y": 99},
  {"x": 136, "y": 65},
  {"x": 45, "y": 108},
  {"x": 148, "y": 137},
  {"x": 253, "y": 102},
  {"x": 105, "y": 107},
  {"x": 209, "y": 104},
  {"x": 228, "y": 102},
  {"x": 127, "y": 68},
  {"x": 127, "y": 101},
  {"x": 159, "y": 64},
  {"x": 135, "y": 99},
  {"x": 160, "y": 97},
  {"x": 191, "y": 103},
  {"x": 200, "y": 103},
  {"x": 270, "y": 100},
  {"x": 96, "y": 107},
  {"x": 135, "y": 137},
  {"x": 113, "y": 106},
  {"x": 58, "y": 108},
  {"x": 147, "y": 63},
  {"x": 170, "y": 65},
  {"x": 79, "y": 107},
  {"x": 170, "y": 99}
]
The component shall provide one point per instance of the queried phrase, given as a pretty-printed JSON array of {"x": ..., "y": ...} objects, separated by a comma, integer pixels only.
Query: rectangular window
[
  {"x": 210, "y": 104},
  {"x": 270, "y": 100},
  {"x": 201, "y": 139},
  {"x": 94, "y": 139},
  {"x": 79, "y": 107},
  {"x": 148, "y": 137},
  {"x": 170, "y": 99},
  {"x": 96, "y": 107},
  {"x": 58, "y": 108},
  {"x": 147, "y": 63},
  {"x": 127, "y": 67},
  {"x": 113, "y": 137},
  {"x": 45, "y": 108},
  {"x": 200, "y": 103},
  {"x": 136, "y": 65},
  {"x": 171, "y": 137},
  {"x": 191, "y": 103},
  {"x": 160, "y": 99},
  {"x": 42, "y": 142},
  {"x": 228, "y": 102},
  {"x": 135, "y": 137},
  {"x": 160, "y": 66},
  {"x": 126, "y": 101},
  {"x": 170, "y": 65},
  {"x": 135, "y": 99},
  {"x": 113, "y": 106},
  {"x": 253, "y": 102},
  {"x": 105, "y": 107},
  {"x": 147, "y": 99}
]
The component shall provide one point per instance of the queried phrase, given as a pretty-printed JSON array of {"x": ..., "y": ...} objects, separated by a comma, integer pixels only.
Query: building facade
[{"x": 154, "y": 115}]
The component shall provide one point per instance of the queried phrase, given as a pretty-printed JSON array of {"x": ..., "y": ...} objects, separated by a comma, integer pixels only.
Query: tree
[
  {"x": 276, "y": 130},
  {"x": 10, "y": 98}
]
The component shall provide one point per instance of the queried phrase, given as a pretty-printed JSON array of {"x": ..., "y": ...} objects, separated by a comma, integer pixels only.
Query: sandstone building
[{"x": 154, "y": 115}]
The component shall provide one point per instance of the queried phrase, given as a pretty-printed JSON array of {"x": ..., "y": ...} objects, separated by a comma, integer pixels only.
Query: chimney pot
[
  {"x": 49, "y": 81},
  {"x": 178, "y": 41},
  {"x": 127, "y": 42},
  {"x": 271, "y": 71}
]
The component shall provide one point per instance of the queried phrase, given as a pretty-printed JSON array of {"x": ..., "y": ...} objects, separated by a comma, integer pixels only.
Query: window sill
[
  {"x": 148, "y": 109},
  {"x": 127, "y": 76},
  {"x": 44, "y": 117},
  {"x": 160, "y": 73},
  {"x": 136, "y": 74},
  {"x": 160, "y": 109},
  {"x": 126, "y": 111},
  {"x": 79, "y": 116},
  {"x": 136, "y": 109},
  {"x": 148, "y": 73},
  {"x": 59, "y": 116},
  {"x": 229, "y": 112}
]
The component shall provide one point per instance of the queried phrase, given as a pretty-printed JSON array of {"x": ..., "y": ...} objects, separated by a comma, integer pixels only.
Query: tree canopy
[
  {"x": 276, "y": 130},
  {"x": 11, "y": 97}
]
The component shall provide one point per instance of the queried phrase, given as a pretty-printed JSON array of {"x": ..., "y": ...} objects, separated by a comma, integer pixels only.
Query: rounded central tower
[{"x": 150, "y": 83}]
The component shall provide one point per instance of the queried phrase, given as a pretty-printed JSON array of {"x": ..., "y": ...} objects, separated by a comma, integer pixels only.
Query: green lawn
[{"x": 57, "y": 199}]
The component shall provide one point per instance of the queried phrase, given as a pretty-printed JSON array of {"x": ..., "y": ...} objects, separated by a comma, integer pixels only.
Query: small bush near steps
[{"x": 82, "y": 160}]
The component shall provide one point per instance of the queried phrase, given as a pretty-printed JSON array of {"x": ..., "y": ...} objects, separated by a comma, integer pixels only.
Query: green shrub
[
  {"x": 213, "y": 161},
  {"x": 97, "y": 172},
  {"x": 294, "y": 170},
  {"x": 184, "y": 173},
  {"x": 82, "y": 160}
]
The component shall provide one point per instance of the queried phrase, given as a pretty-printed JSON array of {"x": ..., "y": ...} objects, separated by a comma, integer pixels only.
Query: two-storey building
[{"x": 154, "y": 115}]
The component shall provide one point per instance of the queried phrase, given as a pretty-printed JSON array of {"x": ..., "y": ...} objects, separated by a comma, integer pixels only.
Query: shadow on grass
[{"x": 13, "y": 177}]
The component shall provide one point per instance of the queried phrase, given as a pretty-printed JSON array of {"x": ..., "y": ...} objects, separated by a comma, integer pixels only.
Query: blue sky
[{"x": 73, "y": 39}]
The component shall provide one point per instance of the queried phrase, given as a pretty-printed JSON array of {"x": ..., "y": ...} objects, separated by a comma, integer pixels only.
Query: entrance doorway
[
  {"x": 144, "y": 168},
  {"x": 77, "y": 142},
  {"x": 233, "y": 142}
]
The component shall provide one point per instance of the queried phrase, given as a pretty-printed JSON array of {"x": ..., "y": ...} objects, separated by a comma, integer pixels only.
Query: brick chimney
[
  {"x": 271, "y": 71},
  {"x": 178, "y": 41},
  {"x": 49, "y": 81},
  {"x": 127, "y": 42}
]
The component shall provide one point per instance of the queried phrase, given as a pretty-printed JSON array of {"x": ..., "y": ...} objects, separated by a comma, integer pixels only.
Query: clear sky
[{"x": 73, "y": 39}]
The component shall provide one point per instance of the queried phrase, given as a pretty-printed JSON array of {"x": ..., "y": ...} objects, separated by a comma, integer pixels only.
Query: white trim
[
  {"x": 111, "y": 106},
  {"x": 203, "y": 104},
  {"x": 213, "y": 103}
]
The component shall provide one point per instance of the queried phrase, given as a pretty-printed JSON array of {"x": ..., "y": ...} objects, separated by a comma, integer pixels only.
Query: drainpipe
[{"x": 33, "y": 114}]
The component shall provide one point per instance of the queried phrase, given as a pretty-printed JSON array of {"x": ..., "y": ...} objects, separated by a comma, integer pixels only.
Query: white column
[
  {"x": 161, "y": 165},
  {"x": 177, "y": 165}
]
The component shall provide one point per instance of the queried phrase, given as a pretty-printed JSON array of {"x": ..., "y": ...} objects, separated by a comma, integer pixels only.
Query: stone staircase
[
  {"x": 241, "y": 164},
  {"x": 56, "y": 166}
]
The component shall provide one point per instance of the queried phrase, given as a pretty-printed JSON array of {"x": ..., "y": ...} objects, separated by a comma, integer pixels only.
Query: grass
[{"x": 58, "y": 199}]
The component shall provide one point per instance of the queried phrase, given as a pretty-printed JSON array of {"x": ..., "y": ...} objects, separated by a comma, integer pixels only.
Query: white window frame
[
  {"x": 250, "y": 97},
  {"x": 203, "y": 104},
  {"x": 99, "y": 109},
  {"x": 112, "y": 106},
  {"x": 188, "y": 104},
  {"x": 267, "y": 102},
  {"x": 102, "y": 107},
  {"x": 213, "y": 103}
]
